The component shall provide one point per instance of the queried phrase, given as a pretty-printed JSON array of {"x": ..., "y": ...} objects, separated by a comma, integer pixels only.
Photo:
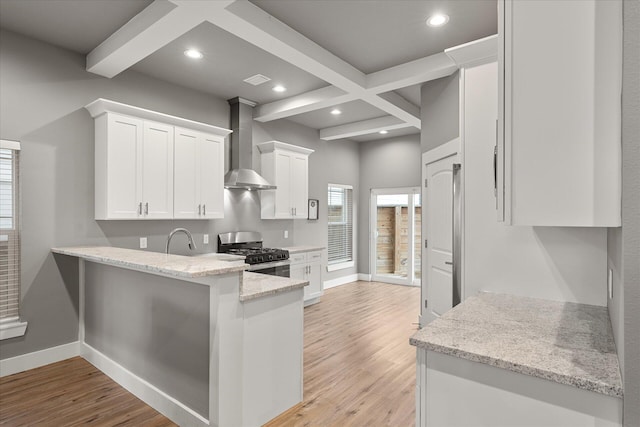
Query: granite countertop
[
  {"x": 256, "y": 285},
  {"x": 567, "y": 343},
  {"x": 306, "y": 248},
  {"x": 155, "y": 262}
]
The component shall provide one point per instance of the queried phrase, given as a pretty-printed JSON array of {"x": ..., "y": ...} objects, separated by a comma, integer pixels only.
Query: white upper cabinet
[
  {"x": 199, "y": 175},
  {"x": 287, "y": 167},
  {"x": 150, "y": 165},
  {"x": 559, "y": 150}
]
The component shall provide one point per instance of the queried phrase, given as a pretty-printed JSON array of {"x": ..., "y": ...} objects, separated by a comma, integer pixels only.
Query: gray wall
[
  {"x": 44, "y": 90},
  {"x": 440, "y": 110},
  {"x": 624, "y": 242},
  {"x": 334, "y": 162},
  {"x": 387, "y": 163}
]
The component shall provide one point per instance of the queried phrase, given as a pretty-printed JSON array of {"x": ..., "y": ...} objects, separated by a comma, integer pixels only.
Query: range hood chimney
[{"x": 241, "y": 174}]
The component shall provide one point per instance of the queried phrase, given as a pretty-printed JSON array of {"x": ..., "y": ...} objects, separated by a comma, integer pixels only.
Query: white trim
[
  {"x": 340, "y": 265},
  {"x": 340, "y": 281},
  {"x": 101, "y": 106},
  {"x": 445, "y": 150},
  {"x": 148, "y": 393},
  {"x": 363, "y": 277},
  {"x": 8, "y": 144},
  {"x": 33, "y": 360},
  {"x": 474, "y": 52},
  {"x": 12, "y": 329}
]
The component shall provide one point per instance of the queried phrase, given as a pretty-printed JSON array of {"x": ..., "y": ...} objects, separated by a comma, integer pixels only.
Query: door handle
[
  {"x": 199, "y": 209},
  {"x": 140, "y": 208},
  {"x": 448, "y": 262},
  {"x": 146, "y": 208},
  {"x": 204, "y": 209},
  {"x": 495, "y": 171}
]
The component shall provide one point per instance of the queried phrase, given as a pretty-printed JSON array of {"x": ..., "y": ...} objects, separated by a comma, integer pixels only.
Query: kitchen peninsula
[{"x": 192, "y": 336}]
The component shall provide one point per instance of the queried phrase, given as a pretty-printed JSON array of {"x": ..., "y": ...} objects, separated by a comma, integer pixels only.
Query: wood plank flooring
[
  {"x": 359, "y": 370},
  {"x": 71, "y": 393}
]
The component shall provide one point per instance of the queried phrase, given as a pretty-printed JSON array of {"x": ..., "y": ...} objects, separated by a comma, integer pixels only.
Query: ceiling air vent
[{"x": 258, "y": 79}]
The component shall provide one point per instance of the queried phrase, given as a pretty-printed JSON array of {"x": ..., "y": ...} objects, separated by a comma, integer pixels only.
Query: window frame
[
  {"x": 342, "y": 263},
  {"x": 11, "y": 326}
]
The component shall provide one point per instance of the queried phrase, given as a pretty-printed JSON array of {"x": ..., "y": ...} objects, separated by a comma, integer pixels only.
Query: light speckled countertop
[
  {"x": 300, "y": 249},
  {"x": 155, "y": 262},
  {"x": 563, "y": 342},
  {"x": 256, "y": 285}
]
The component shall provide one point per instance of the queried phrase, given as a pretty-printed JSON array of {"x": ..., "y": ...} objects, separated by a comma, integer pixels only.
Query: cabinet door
[
  {"x": 314, "y": 276},
  {"x": 298, "y": 271},
  {"x": 299, "y": 186},
  {"x": 123, "y": 167},
  {"x": 186, "y": 191},
  {"x": 561, "y": 112},
  {"x": 211, "y": 160},
  {"x": 157, "y": 171},
  {"x": 283, "y": 208}
]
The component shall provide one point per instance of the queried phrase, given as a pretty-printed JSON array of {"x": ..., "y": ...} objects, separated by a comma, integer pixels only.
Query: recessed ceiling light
[
  {"x": 383, "y": 132},
  {"x": 192, "y": 53},
  {"x": 335, "y": 112},
  {"x": 437, "y": 20},
  {"x": 279, "y": 88}
]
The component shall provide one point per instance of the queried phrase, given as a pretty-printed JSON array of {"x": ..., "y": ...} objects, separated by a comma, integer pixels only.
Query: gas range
[
  {"x": 249, "y": 245},
  {"x": 260, "y": 255}
]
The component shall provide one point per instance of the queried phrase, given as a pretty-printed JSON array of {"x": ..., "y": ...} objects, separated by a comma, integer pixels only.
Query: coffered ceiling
[{"x": 366, "y": 58}]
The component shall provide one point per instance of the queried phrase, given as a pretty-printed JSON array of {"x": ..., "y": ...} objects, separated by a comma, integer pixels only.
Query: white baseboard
[
  {"x": 364, "y": 277},
  {"x": 340, "y": 281},
  {"x": 24, "y": 362},
  {"x": 145, "y": 391}
]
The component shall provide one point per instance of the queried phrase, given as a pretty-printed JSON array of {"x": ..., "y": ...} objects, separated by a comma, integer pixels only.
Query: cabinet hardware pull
[
  {"x": 146, "y": 208},
  {"x": 199, "y": 209},
  {"x": 204, "y": 209},
  {"x": 448, "y": 262},
  {"x": 140, "y": 208},
  {"x": 495, "y": 171}
]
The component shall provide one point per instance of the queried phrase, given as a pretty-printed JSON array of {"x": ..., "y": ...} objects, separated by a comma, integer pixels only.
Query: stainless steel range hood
[{"x": 241, "y": 174}]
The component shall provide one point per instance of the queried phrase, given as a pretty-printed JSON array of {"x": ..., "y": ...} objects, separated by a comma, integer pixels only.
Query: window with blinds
[
  {"x": 340, "y": 224},
  {"x": 9, "y": 232}
]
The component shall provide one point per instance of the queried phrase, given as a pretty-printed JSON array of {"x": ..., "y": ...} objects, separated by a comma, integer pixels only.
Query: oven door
[{"x": 278, "y": 268}]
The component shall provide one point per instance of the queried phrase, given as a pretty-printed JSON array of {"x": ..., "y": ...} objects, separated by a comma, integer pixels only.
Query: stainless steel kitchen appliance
[{"x": 274, "y": 262}]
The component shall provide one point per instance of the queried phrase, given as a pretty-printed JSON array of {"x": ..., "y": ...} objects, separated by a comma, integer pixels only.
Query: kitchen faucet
[{"x": 192, "y": 244}]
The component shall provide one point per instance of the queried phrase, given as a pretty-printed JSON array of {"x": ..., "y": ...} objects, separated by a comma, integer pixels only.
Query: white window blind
[
  {"x": 9, "y": 232},
  {"x": 340, "y": 224}
]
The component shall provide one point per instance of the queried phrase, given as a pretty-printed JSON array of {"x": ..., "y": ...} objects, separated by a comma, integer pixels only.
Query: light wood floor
[
  {"x": 359, "y": 370},
  {"x": 71, "y": 393}
]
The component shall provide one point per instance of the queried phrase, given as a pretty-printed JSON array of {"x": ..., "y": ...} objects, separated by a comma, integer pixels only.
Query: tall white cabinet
[
  {"x": 150, "y": 165},
  {"x": 559, "y": 150},
  {"x": 287, "y": 167}
]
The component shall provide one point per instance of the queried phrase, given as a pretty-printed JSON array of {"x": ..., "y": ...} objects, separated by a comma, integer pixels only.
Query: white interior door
[{"x": 438, "y": 216}]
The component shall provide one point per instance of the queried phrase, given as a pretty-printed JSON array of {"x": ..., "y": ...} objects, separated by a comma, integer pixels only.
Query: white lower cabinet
[
  {"x": 455, "y": 392},
  {"x": 308, "y": 266},
  {"x": 199, "y": 175}
]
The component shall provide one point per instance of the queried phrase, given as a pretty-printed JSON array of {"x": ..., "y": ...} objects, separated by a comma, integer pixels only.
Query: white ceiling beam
[
  {"x": 411, "y": 73},
  {"x": 396, "y": 106},
  {"x": 415, "y": 72},
  {"x": 364, "y": 127},
  {"x": 156, "y": 26},
  {"x": 310, "y": 101},
  {"x": 247, "y": 21},
  {"x": 474, "y": 52}
]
